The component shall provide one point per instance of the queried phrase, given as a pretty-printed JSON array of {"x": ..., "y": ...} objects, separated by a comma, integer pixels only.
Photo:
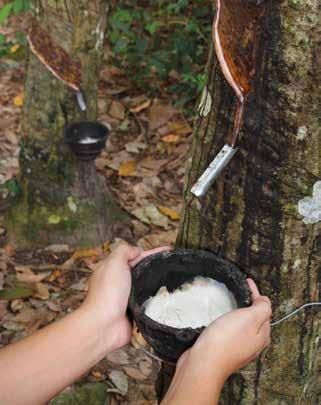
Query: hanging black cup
[{"x": 86, "y": 139}]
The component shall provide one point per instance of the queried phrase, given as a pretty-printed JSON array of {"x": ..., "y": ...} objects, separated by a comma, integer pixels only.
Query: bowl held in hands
[{"x": 172, "y": 269}]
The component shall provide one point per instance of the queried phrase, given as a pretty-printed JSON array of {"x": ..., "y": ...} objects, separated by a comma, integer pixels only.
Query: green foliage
[
  {"x": 14, "y": 7},
  {"x": 11, "y": 186},
  {"x": 18, "y": 291},
  {"x": 86, "y": 394},
  {"x": 163, "y": 44}
]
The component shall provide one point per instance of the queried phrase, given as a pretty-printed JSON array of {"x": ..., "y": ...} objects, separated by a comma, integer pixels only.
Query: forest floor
[{"x": 145, "y": 153}]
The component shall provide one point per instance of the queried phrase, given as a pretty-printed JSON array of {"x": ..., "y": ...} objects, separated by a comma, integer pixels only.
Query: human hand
[
  {"x": 229, "y": 343},
  {"x": 109, "y": 289},
  {"x": 235, "y": 339}
]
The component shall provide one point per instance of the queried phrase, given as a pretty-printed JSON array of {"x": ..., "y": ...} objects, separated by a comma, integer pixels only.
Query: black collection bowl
[
  {"x": 86, "y": 139},
  {"x": 171, "y": 269}
]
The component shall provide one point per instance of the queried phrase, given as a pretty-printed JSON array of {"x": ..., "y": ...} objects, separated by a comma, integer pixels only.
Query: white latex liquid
[
  {"x": 193, "y": 305},
  {"x": 88, "y": 140}
]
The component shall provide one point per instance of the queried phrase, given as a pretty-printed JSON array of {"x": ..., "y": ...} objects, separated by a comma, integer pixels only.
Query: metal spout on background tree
[
  {"x": 236, "y": 37},
  {"x": 56, "y": 60}
]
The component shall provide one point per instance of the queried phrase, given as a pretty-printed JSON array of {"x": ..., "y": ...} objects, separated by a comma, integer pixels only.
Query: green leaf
[
  {"x": 21, "y": 38},
  {"x": 18, "y": 6},
  {"x": 11, "y": 185},
  {"x": 26, "y": 5},
  {"x": 15, "y": 293},
  {"x": 5, "y": 12},
  {"x": 87, "y": 394},
  {"x": 2, "y": 38},
  {"x": 153, "y": 27}
]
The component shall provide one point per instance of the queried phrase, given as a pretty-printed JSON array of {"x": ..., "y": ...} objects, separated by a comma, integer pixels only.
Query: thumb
[
  {"x": 147, "y": 253},
  {"x": 127, "y": 252},
  {"x": 262, "y": 309}
]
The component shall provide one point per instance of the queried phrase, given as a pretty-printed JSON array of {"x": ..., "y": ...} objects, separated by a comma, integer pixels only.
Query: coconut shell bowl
[{"x": 172, "y": 269}]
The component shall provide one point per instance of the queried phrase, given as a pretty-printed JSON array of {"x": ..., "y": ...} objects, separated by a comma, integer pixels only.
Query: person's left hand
[{"x": 109, "y": 289}]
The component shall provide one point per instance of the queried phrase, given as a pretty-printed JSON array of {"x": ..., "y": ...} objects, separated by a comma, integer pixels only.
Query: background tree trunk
[
  {"x": 62, "y": 199},
  {"x": 250, "y": 214}
]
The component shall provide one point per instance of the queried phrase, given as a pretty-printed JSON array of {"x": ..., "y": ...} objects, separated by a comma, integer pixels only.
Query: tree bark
[
  {"x": 62, "y": 199},
  {"x": 250, "y": 215}
]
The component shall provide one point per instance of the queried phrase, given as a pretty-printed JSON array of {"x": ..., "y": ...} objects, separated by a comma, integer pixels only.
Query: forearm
[
  {"x": 35, "y": 369},
  {"x": 195, "y": 383}
]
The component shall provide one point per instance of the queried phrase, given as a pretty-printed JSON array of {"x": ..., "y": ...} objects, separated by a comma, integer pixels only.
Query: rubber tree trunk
[
  {"x": 250, "y": 215},
  {"x": 63, "y": 200}
]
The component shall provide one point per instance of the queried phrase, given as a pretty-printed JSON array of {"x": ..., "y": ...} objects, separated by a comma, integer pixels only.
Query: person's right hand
[
  {"x": 236, "y": 338},
  {"x": 229, "y": 343}
]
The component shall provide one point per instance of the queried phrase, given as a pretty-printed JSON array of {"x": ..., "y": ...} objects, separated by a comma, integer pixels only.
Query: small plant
[
  {"x": 11, "y": 186},
  {"x": 14, "y": 7},
  {"x": 162, "y": 44}
]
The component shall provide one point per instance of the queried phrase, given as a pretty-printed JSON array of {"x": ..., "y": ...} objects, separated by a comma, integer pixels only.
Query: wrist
[
  {"x": 101, "y": 329},
  {"x": 211, "y": 362},
  {"x": 111, "y": 332},
  {"x": 195, "y": 371}
]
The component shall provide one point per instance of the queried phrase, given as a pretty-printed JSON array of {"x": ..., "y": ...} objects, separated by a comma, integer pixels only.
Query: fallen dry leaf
[
  {"x": 160, "y": 114},
  {"x": 140, "y": 107},
  {"x": 158, "y": 239},
  {"x": 81, "y": 285},
  {"x": 3, "y": 309},
  {"x": 18, "y": 100},
  {"x": 115, "y": 163},
  {"x": 14, "y": 48},
  {"x": 16, "y": 305},
  {"x": 127, "y": 168},
  {"x": 117, "y": 110},
  {"x": 153, "y": 164},
  {"x": 169, "y": 212},
  {"x": 180, "y": 128},
  {"x": 9, "y": 250},
  {"x": 135, "y": 147},
  {"x": 146, "y": 366},
  {"x": 41, "y": 291},
  {"x": 171, "y": 138},
  {"x": 26, "y": 275},
  {"x": 54, "y": 275},
  {"x": 151, "y": 215},
  {"x": 58, "y": 248},
  {"x": 120, "y": 381},
  {"x": 141, "y": 191},
  {"x": 97, "y": 375},
  {"x": 118, "y": 357},
  {"x": 3, "y": 265},
  {"x": 106, "y": 246},
  {"x": 137, "y": 339},
  {"x": 132, "y": 372},
  {"x": 82, "y": 253},
  {"x": 53, "y": 306},
  {"x": 1, "y": 281}
]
